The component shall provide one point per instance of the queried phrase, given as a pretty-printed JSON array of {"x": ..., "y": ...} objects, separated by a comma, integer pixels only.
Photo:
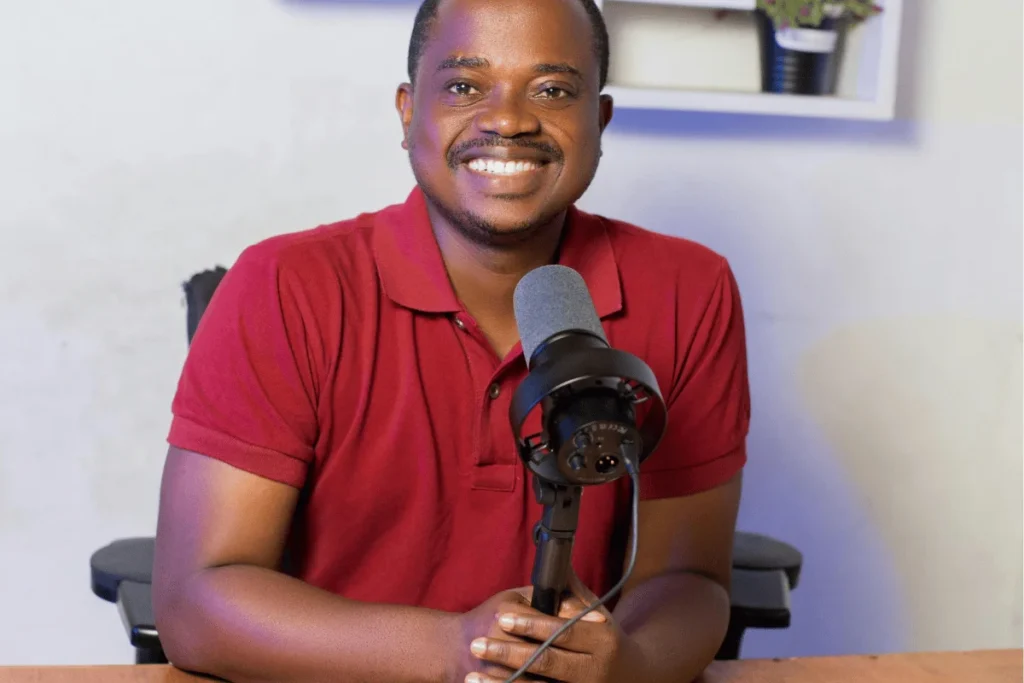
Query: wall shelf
[
  {"x": 684, "y": 55},
  {"x": 747, "y": 5}
]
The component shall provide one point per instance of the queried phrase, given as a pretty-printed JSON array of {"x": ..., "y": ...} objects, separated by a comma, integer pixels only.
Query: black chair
[{"x": 765, "y": 570}]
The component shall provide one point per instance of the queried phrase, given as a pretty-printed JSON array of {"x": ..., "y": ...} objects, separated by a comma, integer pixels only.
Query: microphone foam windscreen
[{"x": 553, "y": 299}]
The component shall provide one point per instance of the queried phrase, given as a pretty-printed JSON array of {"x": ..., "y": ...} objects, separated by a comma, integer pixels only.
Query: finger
[
  {"x": 572, "y": 606},
  {"x": 552, "y": 662},
  {"x": 585, "y": 595},
  {"x": 579, "y": 588},
  {"x": 477, "y": 677},
  {"x": 493, "y": 671},
  {"x": 480, "y": 677},
  {"x": 498, "y": 633},
  {"x": 580, "y": 637},
  {"x": 525, "y": 594},
  {"x": 515, "y": 600},
  {"x": 519, "y": 601}
]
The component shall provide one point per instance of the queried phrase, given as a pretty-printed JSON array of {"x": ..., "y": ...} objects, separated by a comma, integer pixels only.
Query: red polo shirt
[{"x": 339, "y": 361}]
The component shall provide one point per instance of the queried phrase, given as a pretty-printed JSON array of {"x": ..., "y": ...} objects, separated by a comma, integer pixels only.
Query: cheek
[
  {"x": 424, "y": 138},
  {"x": 586, "y": 151},
  {"x": 430, "y": 141},
  {"x": 581, "y": 142}
]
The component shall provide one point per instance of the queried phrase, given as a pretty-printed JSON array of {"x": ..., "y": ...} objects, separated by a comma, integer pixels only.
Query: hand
[
  {"x": 482, "y": 624},
  {"x": 593, "y": 650}
]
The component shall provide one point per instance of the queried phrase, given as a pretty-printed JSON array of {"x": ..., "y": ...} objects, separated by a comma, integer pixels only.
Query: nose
[{"x": 507, "y": 114}]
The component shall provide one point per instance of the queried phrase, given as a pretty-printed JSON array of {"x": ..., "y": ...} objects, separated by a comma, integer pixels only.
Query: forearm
[
  {"x": 676, "y": 623},
  {"x": 248, "y": 624}
]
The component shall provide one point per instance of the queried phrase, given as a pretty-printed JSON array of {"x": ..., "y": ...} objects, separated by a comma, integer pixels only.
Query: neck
[{"x": 484, "y": 276}]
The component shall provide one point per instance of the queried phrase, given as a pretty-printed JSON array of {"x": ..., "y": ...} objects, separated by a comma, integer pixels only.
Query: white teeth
[{"x": 501, "y": 167}]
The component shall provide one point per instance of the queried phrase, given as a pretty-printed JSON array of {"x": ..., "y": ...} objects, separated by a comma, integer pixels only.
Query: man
[{"x": 342, "y": 500}]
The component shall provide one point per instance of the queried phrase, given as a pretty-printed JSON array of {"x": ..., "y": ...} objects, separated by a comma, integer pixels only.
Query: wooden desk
[{"x": 1003, "y": 666}]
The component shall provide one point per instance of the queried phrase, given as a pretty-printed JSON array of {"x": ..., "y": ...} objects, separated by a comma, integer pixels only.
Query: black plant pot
[{"x": 805, "y": 63}]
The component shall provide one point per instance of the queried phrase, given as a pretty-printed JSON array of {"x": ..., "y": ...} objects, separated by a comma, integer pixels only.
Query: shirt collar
[{"x": 413, "y": 274}]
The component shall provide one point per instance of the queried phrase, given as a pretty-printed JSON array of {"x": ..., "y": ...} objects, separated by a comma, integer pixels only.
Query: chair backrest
[{"x": 198, "y": 292}]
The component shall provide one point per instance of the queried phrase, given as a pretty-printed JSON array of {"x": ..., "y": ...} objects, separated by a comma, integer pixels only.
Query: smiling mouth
[{"x": 497, "y": 167}]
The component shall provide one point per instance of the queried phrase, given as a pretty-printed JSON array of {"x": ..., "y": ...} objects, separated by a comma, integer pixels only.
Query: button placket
[
  {"x": 495, "y": 469},
  {"x": 501, "y": 468}
]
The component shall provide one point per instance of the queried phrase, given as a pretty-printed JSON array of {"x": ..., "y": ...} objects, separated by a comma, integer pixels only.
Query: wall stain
[{"x": 925, "y": 415}]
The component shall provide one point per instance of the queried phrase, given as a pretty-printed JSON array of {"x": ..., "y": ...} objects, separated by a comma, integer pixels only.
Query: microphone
[
  {"x": 589, "y": 392},
  {"x": 590, "y": 396}
]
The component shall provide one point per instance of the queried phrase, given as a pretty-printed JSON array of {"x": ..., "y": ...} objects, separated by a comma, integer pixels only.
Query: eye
[
  {"x": 554, "y": 93},
  {"x": 462, "y": 89}
]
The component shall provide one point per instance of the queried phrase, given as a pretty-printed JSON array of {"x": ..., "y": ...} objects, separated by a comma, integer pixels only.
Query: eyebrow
[
  {"x": 481, "y": 63},
  {"x": 561, "y": 68},
  {"x": 463, "y": 63}
]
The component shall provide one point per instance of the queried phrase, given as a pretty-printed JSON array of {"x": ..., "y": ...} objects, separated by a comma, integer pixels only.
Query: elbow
[{"x": 182, "y": 625}]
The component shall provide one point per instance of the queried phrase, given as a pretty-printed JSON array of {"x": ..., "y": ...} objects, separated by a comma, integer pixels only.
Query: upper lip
[{"x": 507, "y": 154}]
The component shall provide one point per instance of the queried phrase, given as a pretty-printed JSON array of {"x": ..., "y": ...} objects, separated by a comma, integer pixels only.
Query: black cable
[{"x": 635, "y": 524}]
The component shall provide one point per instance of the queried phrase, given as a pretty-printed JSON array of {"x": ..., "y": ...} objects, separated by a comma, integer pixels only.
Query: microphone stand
[{"x": 553, "y": 537}]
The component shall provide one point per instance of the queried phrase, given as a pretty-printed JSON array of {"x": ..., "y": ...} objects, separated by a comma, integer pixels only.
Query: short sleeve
[
  {"x": 708, "y": 400},
  {"x": 246, "y": 395}
]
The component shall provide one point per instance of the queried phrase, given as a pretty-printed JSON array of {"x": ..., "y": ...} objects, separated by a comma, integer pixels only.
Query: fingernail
[
  {"x": 474, "y": 678},
  {"x": 507, "y": 621},
  {"x": 478, "y": 647},
  {"x": 594, "y": 616}
]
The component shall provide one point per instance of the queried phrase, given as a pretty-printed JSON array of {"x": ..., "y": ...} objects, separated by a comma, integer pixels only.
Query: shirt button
[
  {"x": 494, "y": 391},
  {"x": 459, "y": 324}
]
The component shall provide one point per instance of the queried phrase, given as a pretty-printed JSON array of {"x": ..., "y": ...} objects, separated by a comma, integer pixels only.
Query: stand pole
[{"x": 554, "y": 536}]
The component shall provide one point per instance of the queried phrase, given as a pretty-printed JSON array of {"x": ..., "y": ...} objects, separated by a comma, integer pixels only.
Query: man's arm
[
  {"x": 675, "y": 608},
  {"x": 223, "y": 608}
]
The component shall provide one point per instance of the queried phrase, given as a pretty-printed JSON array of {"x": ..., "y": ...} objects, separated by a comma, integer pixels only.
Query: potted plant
[{"x": 802, "y": 42}]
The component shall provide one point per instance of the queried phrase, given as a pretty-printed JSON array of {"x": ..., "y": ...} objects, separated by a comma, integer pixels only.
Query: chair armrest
[
  {"x": 764, "y": 553},
  {"x": 760, "y": 599},
  {"x": 128, "y": 559},
  {"x": 135, "y": 604}
]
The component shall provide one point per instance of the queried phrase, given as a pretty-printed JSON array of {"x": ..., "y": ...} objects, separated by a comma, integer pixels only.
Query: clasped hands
[{"x": 500, "y": 635}]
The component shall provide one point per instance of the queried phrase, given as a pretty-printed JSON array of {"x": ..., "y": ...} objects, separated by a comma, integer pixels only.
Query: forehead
[{"x": 513, "y": 34}]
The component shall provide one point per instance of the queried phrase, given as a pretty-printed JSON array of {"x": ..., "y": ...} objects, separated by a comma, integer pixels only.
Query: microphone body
[{"x": 588, "y": 394}]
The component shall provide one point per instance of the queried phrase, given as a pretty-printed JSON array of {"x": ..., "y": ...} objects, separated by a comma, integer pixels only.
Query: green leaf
[{"x": 812, "y": 12}]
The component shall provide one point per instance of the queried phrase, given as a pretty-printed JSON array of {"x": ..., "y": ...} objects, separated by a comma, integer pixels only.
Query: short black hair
[{"x": 427, "y": 14}]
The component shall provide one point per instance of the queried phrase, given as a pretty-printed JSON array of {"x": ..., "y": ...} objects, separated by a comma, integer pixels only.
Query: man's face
[{"x": 504, "y": 123}]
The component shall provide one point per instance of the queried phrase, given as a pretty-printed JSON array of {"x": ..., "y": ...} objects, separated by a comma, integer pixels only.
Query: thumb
[
  {"x": 587, "y": 598},
  {"x": 523, "y": 594},
  {"x": 572, "y": 606}
]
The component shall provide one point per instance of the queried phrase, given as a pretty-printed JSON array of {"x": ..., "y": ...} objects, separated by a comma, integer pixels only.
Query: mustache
[{"x": 497, "y": 141}]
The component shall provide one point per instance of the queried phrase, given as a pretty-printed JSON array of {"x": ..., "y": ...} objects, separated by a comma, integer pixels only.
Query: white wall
[{"x": 881, "y": 268}]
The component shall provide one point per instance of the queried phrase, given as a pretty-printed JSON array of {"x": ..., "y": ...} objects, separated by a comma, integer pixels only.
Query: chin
[
  {"x": 494, "y": 231},
  {"x": 512, "y": 210},
  {"x": 509, "y": 221},
  {"x": 495, "y": 219}
]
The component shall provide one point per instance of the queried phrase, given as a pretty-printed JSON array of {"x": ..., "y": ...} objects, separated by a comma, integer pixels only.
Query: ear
[
  {"x": 403, "y": 104},
  {"x": 606, "y": 109}
]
